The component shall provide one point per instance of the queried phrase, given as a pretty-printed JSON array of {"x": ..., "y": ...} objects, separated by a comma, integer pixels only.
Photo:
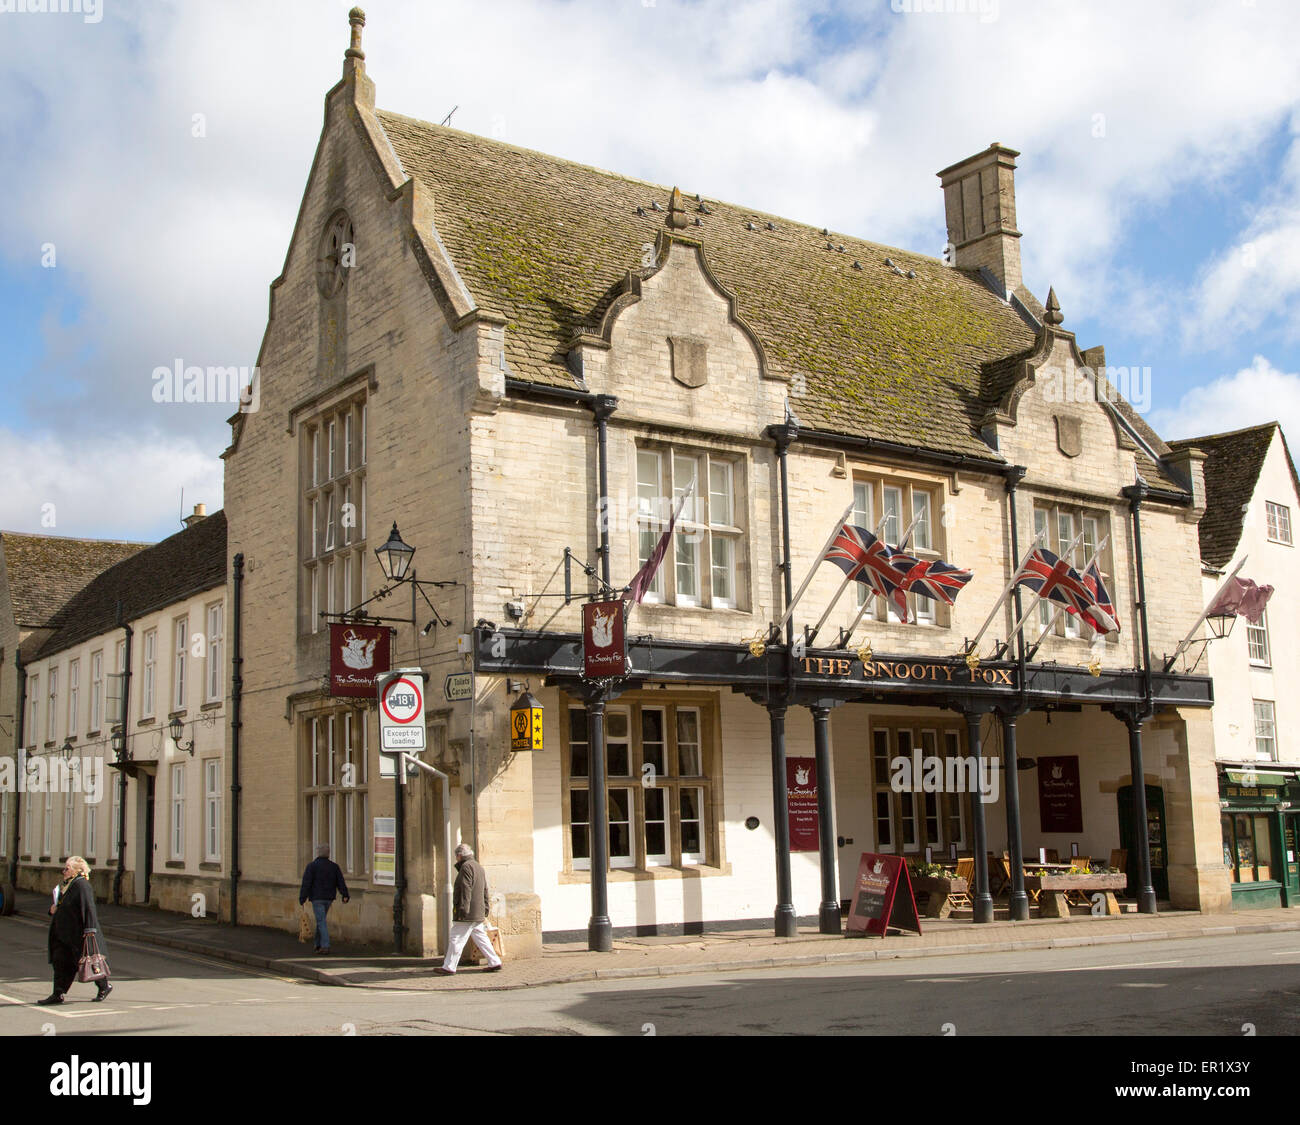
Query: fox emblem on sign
[{"x": 604, "y": 648}]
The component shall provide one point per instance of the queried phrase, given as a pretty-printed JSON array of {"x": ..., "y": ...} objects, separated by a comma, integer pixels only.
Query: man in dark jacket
[
  {"x": 73, "y": 914},
  {"x": 320, "y": 882},
  {"x": 469, "y": 914}
]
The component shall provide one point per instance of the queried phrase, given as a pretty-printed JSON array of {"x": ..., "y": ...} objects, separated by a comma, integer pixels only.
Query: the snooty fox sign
[{"x": 604, "y": 642}]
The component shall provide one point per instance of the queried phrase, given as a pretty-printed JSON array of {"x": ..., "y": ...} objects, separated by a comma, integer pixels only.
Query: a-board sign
[
  {"x": 401, "y": 711},
  {"x": 878, "y": 904}
]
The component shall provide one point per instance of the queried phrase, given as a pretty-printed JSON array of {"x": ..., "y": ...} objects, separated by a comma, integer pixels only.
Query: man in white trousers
[{"x": 469, "y": 914}]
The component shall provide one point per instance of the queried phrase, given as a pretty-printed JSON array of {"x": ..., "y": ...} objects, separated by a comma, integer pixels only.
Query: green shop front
[{"x": 1261, "y": 834}]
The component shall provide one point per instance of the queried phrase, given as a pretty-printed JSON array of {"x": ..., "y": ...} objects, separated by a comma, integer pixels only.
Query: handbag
[{"x": 93, "y": 965}]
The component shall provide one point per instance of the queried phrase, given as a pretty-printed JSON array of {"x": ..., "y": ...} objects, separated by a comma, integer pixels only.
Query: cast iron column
[
  {"x": 1146, "y": 894},
  {"x": 600, "y": 931},
  {"x": 1019, "y": 901},
  {"x": 983, "y": 901},
  {"x": 785, "y": 923},
  {"x": 828, "y": 916}
]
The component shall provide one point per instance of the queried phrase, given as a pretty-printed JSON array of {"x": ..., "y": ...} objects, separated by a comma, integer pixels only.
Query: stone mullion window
[
  {"x": 660, "y": 786},
  {"x": 335, "y": 790},
  {"x": 900, "y": 503},
  {"x": 333, "y": 521},
  {"x": 1059, "y": 525}
]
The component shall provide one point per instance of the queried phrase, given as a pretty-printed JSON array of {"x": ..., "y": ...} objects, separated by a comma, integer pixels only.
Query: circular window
[{"x": 337, "y": 254}]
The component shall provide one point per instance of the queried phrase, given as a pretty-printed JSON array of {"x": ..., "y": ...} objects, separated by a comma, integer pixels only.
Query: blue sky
[{"x": 161, "y": 151}]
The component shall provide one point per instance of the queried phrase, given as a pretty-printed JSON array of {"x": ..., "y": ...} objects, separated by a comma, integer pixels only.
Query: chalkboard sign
[{"x": 877, "y": 905}]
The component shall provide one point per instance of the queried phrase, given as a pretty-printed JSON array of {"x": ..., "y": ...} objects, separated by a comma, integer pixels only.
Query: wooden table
[
  {"x": 940, "y": 888},
  {"x": 1053, "y": 888}
]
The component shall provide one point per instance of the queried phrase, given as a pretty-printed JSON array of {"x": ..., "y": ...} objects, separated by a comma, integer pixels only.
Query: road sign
[
  {"x": 457, "y": 687},
  {"x": 401, "y": 711}
]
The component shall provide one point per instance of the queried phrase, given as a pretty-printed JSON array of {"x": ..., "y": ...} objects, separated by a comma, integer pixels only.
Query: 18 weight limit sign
[{"x": 401, "y": 713}]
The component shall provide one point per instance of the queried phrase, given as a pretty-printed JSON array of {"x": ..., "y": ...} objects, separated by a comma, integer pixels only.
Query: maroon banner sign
[
  {"x": 604, "y": 644},
  {"x": 358, "y": 653},
  {"x": 1060, "y": 799},
  {"x": 801, "y": 787},
  {"x": 877, "y": 905}
]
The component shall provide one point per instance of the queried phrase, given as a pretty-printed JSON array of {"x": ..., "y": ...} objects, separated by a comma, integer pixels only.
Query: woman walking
[{"x": 73, "y": 914}]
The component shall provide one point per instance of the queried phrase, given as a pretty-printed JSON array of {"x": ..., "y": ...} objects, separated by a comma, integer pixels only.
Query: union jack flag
[
  {"x": 1092, "y": 579},
  {"x": 874, "y": 563},
  {"x": 937, "y": 580},
  {"x": 1051, "y": 577}
]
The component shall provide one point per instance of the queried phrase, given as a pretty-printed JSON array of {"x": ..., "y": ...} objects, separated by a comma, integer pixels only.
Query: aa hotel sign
[{"x": 928, "y": 671}]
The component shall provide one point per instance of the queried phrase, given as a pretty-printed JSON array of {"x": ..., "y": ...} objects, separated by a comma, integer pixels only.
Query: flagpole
[
  {"x": 1187, "y": 640},
  {"x": 821, "y": 555},
  {"x": 849, "y": 577},
  {"x": 1059, "y": 609},
  {"x": 1015, "y": 577},
  {"x": 1038, "y": 597}
]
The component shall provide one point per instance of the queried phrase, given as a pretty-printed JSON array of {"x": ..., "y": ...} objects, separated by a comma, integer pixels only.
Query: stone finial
[
  {"x": 1053, "y": 314},
  {"x": 676, "y": 211},
  {"x": 357, "y": 18}
]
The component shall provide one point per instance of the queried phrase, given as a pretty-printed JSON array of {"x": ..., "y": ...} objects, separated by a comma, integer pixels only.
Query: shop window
[
  {"x": 1059, "y": 527},
  {"x": 333, "y": 522},
  {"x": 660, "y": 781},
  {"x": 1248, "y": 848},
  {"x": 704, "y": 564},
  {"x": 894, "y": 505},
  {"x": 1279, "y": 522}
]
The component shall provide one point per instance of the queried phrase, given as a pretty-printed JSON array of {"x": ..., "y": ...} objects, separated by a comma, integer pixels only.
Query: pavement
[{"x": 280, "y": 952}]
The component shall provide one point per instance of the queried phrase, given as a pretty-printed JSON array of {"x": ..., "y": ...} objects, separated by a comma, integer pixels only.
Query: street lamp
[
  {"x": 68, "y": 751},
  {"x": 395, "y": 556},
  {"x": 1221, "y": 622},
  {"x": 176, "y": 728},
  {"x": 118, "y": 742}
]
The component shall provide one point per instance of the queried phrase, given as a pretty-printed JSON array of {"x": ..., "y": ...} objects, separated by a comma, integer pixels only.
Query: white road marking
[{"x": 1098, "y": 968}]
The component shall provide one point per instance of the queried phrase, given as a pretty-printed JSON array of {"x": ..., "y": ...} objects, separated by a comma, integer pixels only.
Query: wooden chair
[
  {"x": 1080, "y": 897},
  {"x": 1053, "y": 856},
  {"x": 965, "y": 870},
  {"x": 997, "y": 876},
  {"x": 1119, "y": 859}
]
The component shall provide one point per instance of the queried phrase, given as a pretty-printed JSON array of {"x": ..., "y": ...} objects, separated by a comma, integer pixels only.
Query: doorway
[
  {"x": 145, "y": 866},
  {"x": 1155, "y": 839}
]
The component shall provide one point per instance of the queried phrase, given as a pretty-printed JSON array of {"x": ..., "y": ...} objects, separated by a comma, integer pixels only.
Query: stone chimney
[
  {"x": 979, "y": 200},
  {"x": 200, "y": 513}
]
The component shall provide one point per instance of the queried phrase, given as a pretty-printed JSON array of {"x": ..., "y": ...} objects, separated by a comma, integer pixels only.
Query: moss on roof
[{"x": 45, "y": 571}]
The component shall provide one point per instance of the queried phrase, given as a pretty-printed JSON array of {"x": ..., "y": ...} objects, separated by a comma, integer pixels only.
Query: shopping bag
[
  {"x": 472, "y": 954},
  {"x": 306, "y": 924},
  {"x": 93, "y": 965}
]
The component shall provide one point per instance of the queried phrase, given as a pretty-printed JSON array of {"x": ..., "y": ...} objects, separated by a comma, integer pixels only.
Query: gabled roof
[
  {"x": 182, "y": 565},
  {"x": 548, "y": 244},
  {"x": 1232, "y": 467},
  {"x": 45, "y": 571}
]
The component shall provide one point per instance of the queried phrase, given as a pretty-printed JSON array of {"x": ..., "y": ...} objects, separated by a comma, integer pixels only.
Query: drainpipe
[
  {"x": 236, "y": 725},
  {"x": 126, "y": 715},
  {"x": 19, "y": 765}
]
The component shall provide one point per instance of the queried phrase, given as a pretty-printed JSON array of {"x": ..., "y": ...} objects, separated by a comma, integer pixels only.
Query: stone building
[
  {"x": 1252, "y": 496},
  {"x": 508, "y": 355},
  {"x": 148, "y": 811}
]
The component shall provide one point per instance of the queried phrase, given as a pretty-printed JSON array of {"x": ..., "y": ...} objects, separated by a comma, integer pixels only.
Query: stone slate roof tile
[
  {"x": 182, "y": 565},
  {"x": 46, "y": 571}
]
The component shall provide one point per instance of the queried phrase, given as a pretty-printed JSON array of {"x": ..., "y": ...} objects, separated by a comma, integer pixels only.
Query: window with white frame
[
  {"x": 51, "y": 713},
  {"x": 703, "y": 566},
  {"x": 47, "y": 822},
  {"x": 74, "y": 696},
  {"x": 667, "y": 821},
  {"x": 333, "y": 453},
  {"x": 1257, "y": 641},
  {"x": 212, "y": 810},
  {"x": 33, "y": 710},
  {"x": 96, "y": 690},
  {"x": 92, "y": 829},
  {"x": 149, "y": 679},
  {"x": 909, "y": 822},
  {"x": 68, "y": 816},
  {"x": 1075, "y": 536},
  {"x": 216, "y": 652},
  {"x": 337, "y": 786},
  {"x": 116, "y": 814},
  {"x": 1279, "y": 522},
  {"x": 4, "y": 823},
  {"x": 180, "y": 648},
  {"x": 893, "y": 506},
  {"x": 178, "y": 812},
  {"x": 27, "y": 823},
  {"x": 1265, "y": 731}
]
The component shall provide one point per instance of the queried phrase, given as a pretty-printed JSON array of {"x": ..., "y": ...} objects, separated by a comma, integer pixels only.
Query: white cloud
[
  {"x": 1252, "y": 396},
  {"x": 102, "y": 486}
]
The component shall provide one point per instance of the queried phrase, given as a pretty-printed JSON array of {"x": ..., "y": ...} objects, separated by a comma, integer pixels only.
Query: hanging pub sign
[
  {"x": 1060, "y": 800},
  {"x": 358, "y": 653},
  {"x": 604, "y": 641},
  {"x": 801, "y": 788},
  {"x": 877, "y": 904},
  {"x": 525, "y": 723}
]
